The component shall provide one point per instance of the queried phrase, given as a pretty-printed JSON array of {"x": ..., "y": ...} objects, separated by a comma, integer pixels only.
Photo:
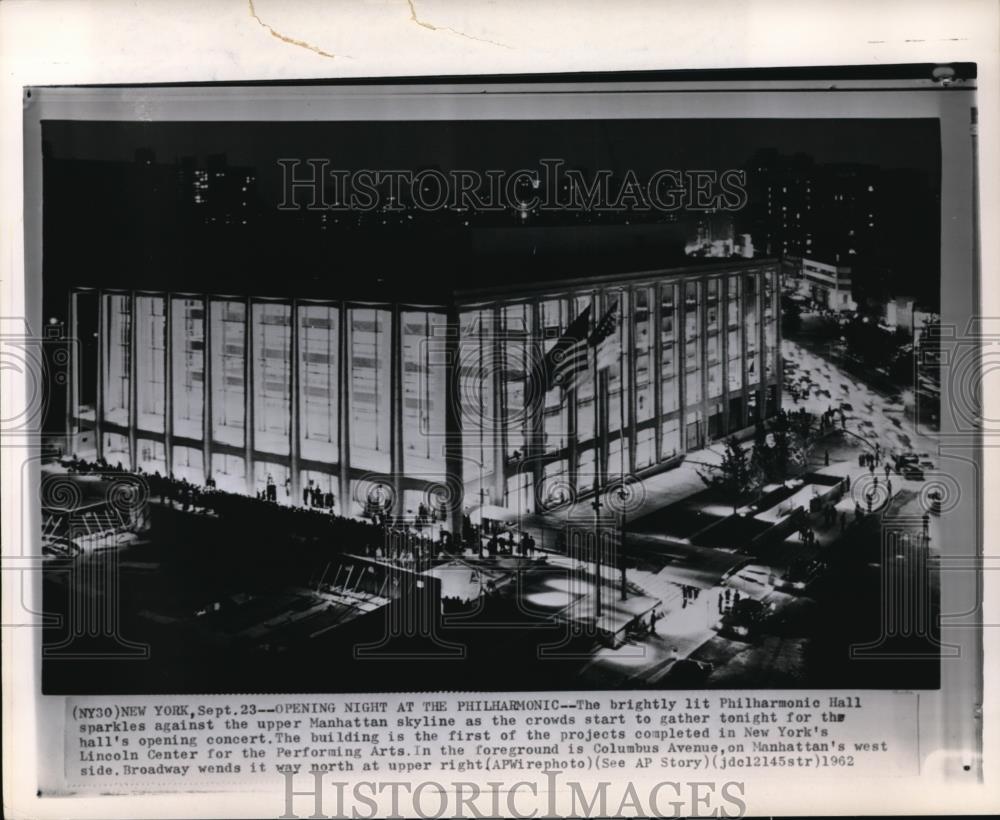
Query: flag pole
[
  {"x": 597, "y": 493},
  {"x": 621, "y": 435}
]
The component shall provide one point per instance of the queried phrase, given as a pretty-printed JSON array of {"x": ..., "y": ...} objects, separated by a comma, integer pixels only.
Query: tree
[
  {"x": 783, "y": 450},
  {"x": 735, "y": 475}
]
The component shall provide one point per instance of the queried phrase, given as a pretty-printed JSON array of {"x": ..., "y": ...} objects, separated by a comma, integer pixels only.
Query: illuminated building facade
[{"x": 437, "y": 404}]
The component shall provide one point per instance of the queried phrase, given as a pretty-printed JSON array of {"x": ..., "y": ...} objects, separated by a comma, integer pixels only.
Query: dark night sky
[{"x": 643, "y": 145}]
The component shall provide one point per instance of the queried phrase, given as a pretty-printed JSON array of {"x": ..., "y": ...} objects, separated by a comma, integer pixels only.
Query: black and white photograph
[
  {"x": 425, "y": 409},
  {"x": 493, "y": 405}
]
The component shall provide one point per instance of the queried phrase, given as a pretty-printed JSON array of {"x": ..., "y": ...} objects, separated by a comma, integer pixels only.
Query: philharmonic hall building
[{"x": 436, "y": 399}]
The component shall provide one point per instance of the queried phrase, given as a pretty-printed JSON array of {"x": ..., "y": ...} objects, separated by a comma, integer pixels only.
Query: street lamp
[{"x": 622, "y": 495}]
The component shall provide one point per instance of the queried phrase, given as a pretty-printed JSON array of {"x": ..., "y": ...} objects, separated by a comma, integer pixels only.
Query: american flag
[
  {"x": 606, "y": 340},
  {"x": 567, "y": 365}
]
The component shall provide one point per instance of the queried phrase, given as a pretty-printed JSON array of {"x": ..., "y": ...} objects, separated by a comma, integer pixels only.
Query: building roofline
[{"x": 479, "y": 294}]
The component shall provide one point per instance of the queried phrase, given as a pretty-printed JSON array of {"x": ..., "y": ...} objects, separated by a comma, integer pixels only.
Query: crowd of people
[{"x": 412, "y": 540}]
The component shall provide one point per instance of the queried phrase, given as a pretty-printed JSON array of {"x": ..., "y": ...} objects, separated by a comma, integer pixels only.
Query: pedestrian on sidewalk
[{"x": 888, "y": 470}]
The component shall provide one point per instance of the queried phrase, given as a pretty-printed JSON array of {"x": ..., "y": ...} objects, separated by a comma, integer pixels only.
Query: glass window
[
  {"x": 189, "y": 464},
  {"x": 712, "y": 306},
  {"x": 370, "y": 497},
  {"x": 268, "y": 475},
  {"x": 692, "y": 388},
  {"x": 370, "y": 406},
  {"x": 188, "y": 365},
  {"x": 424, "y": 392},
  {"x": 228, "y": 371},
  {"x": 272, "y": 376},
  {"x": 555, "y": 490},
  {"x": 585, "y": 418},
  {"x": 116, "y": 451},
  {"x": 645, "y": 447},
  {"x": 713, "y": 350},
  {"x": 617, "y": 371},
  {"x": 521, "y": 493},
  {"x": 751, "y": 326},
  {"x": 87, "y": 364},
  {"x": 477, "y": 401},
  {"x": 695, "y": 430},
  {"x": 668, "y": 361},
  {"x": 319, "y": 388},
  {"x": 735, "y": 361},
  {"x": 770, "y": 324},
  {"x": 585, "y": 470},
  {"x": 515, "y": 333},
  {"x": 412, "y": 499},
  {"x": 692, "y": 328},
  {"x": 151, "y": 455},
  {"x": 319, "y": 489},
  {"x": 229, "y": 472},
  {"x": 555, "y": 320},
  {"x": 733, "y": 302},
  {"x": 151, "y": 362},
  {"x": 618, "y": 458},
  {"x": 670, "y": 444},
  {"x": 643, "y": 353},
  {"x": 118, "y": 357}
]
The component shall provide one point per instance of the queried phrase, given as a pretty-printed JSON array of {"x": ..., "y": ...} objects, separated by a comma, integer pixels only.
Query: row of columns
[{"x": 453, "y": 455}]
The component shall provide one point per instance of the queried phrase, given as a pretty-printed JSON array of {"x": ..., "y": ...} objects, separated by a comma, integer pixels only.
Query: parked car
[
  {"x": 799, "y": 577},
  {"x": 744, "y": 620}
]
